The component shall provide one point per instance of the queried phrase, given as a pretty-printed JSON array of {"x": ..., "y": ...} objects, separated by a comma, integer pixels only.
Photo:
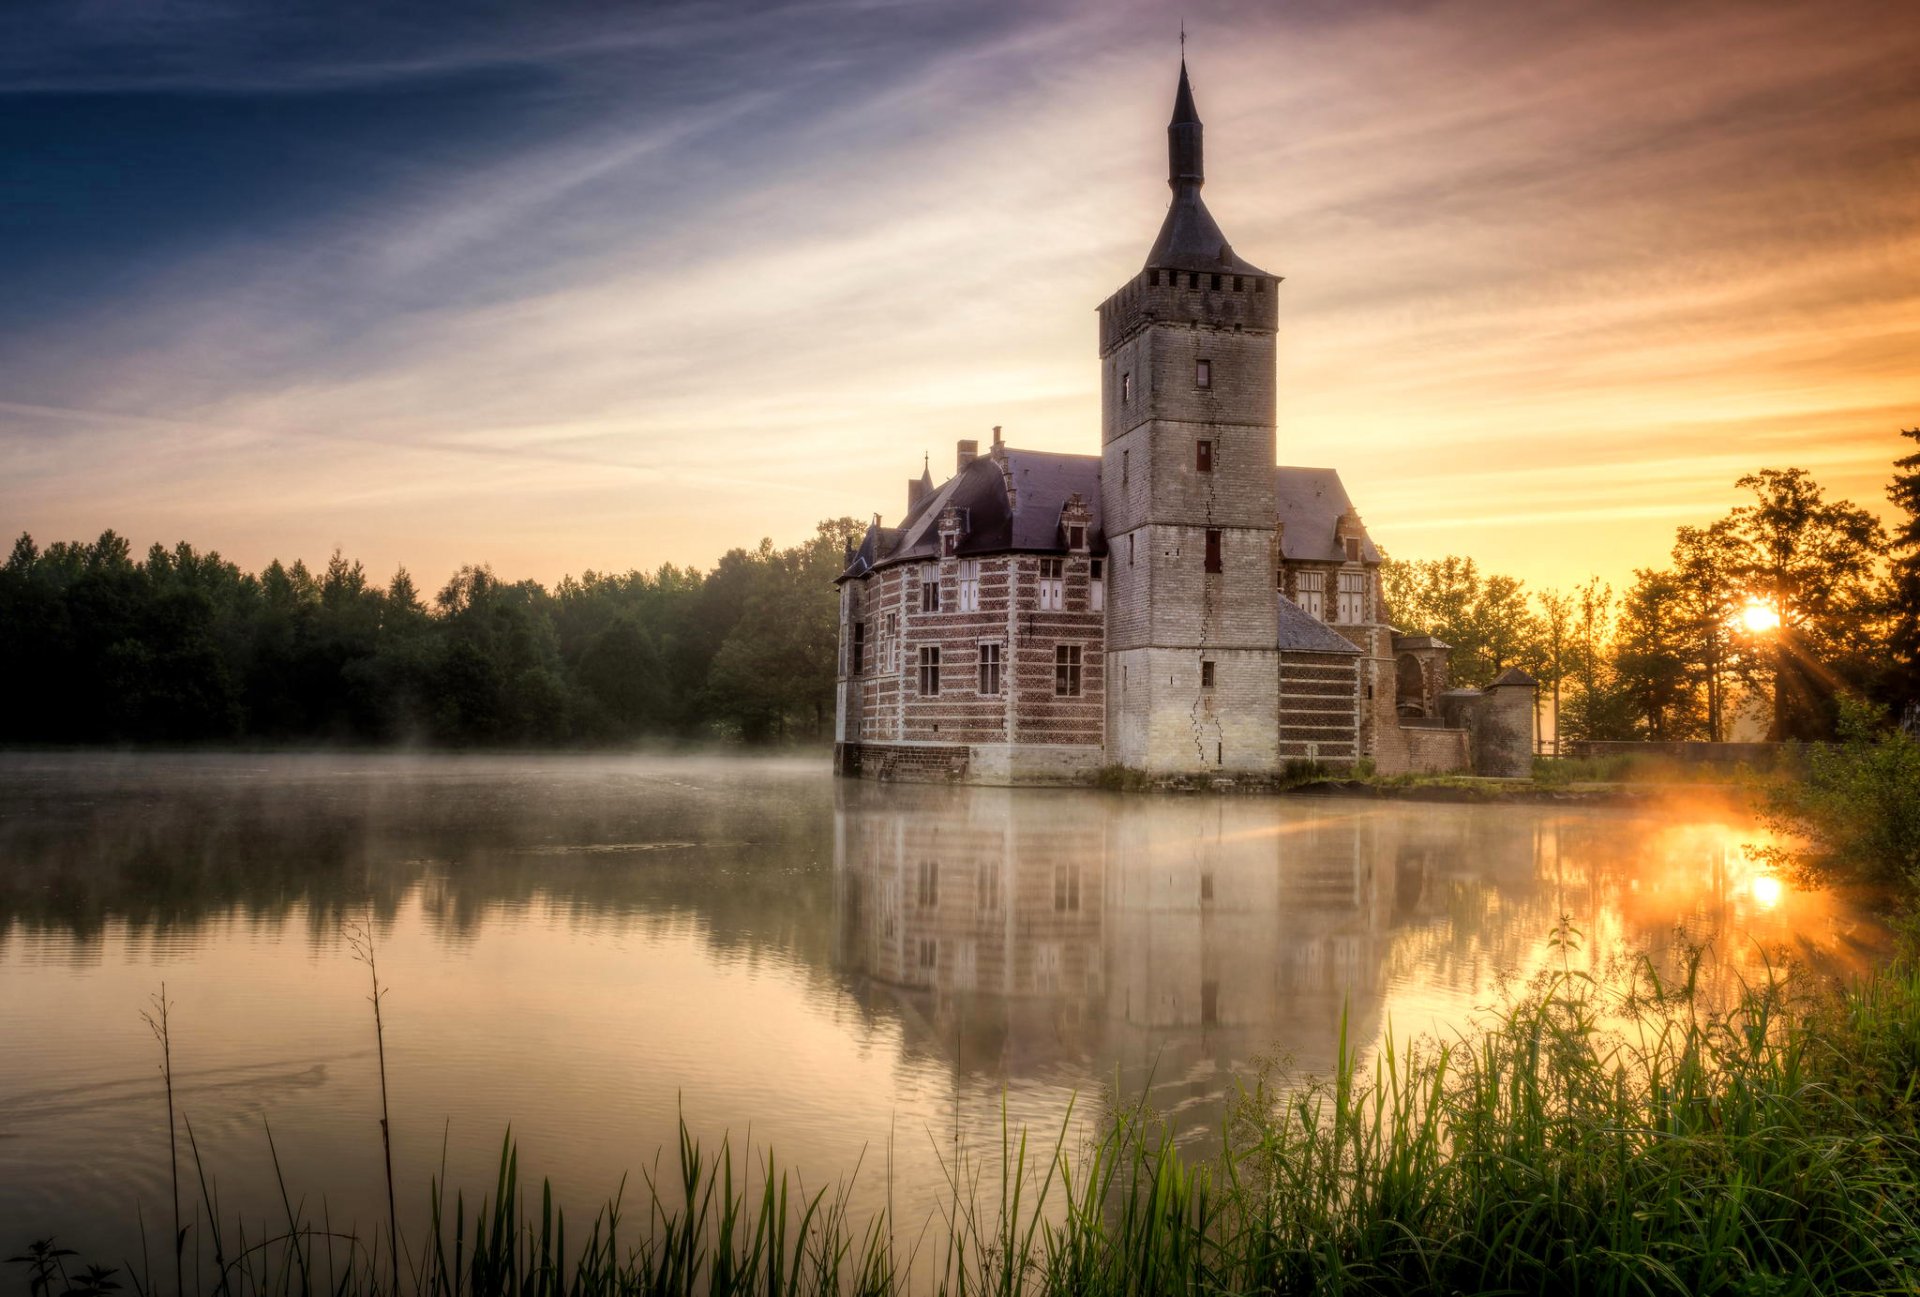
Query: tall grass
[{"x": 1617, "y": 1135}]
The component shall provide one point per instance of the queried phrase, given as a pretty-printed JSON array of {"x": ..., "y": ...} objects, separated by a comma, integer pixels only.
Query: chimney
[
  {"x": 916, "y": 492},
  {"x": 968, "y": 452},
  {"x": 997, "y": 443}
]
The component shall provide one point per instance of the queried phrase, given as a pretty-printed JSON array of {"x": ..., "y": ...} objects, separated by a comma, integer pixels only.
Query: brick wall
[
  {"x": 887, "y": 704},
  {"x": 1319, "y": 707}
]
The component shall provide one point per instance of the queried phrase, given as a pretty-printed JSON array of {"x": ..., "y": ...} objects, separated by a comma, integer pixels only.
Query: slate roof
[
  {"x": 1012, "y": 504},
  {"x": 1513, "y": 676},
  {"x": 1302, "y": 632},
  {"x": 1190, "y": 239},
  {"x": 1309, "y": 504}
]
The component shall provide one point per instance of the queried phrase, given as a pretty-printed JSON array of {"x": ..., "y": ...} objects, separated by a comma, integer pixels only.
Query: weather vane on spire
[{"x": 1183, "y": 40}]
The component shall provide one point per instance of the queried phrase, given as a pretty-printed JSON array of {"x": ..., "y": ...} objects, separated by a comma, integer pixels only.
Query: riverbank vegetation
[{"x": 1624, "y": 1133}]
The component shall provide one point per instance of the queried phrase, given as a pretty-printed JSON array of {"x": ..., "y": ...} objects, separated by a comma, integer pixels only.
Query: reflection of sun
[
  {"x": 1759, "y": 617},
  {"x": 1767, "y": 891}
]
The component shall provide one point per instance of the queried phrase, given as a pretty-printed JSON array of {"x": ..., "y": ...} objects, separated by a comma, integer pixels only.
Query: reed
[{"x": 1597, "y": 1135}]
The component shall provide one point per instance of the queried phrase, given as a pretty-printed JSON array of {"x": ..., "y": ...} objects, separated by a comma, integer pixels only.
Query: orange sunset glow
[{"x": 1555, "y": 275}]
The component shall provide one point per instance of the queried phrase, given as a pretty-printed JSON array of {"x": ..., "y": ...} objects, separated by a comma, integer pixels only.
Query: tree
[
  {"x": 1650, "y": 665},
  {"x": 1485, "y": 621},
  {"x": 1903, "y": 633},
  {"x": 1595, "y": 706},
  {"x": 1553, "y": 646},
  {"x": 1707, "y": 567},
  {"x": 1814, "y": 563}
]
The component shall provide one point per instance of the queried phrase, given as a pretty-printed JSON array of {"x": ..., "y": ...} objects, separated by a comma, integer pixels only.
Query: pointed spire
[
  {"x": 1183, "y": 138},
  {"x": 1189, "y": 238},
  {"x": 1183, "y": 110}
]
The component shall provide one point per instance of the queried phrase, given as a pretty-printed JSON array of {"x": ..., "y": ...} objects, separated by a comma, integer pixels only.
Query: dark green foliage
[
  {"x": 1857, "y": 809},
  {"x": 1619, "y": 1134},
  {"x": 183, "y": 647},
  {"x": 1901, "y": 685}
]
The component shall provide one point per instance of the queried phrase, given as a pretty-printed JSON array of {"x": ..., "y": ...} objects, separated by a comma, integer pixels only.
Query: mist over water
[{"x": 588, "y": 948}]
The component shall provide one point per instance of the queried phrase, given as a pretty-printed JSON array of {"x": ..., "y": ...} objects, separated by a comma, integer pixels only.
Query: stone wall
[
  {"x": 1433, "y": 750},
  {"x": 1171, "y": 616}
]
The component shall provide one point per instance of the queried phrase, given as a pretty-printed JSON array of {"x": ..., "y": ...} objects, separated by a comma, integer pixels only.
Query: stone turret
[{"x": 1187, "y": 491}]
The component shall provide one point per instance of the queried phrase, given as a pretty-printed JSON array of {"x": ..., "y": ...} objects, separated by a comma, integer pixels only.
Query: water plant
[{"x": 1598, "y": 1134}]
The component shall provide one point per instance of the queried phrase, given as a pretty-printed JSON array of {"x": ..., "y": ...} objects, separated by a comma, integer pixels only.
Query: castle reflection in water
[{"x": 1168, "y": 944}]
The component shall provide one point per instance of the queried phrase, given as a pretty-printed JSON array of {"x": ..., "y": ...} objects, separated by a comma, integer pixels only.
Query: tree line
[
  {"x": 182, "y": 646},
  {"x": 1791, "y": 600},
  {"x": 101, "y": 646}
]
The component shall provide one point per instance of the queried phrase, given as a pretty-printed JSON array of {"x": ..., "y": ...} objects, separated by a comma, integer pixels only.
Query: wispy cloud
[{"x": 1556, "y": 272}]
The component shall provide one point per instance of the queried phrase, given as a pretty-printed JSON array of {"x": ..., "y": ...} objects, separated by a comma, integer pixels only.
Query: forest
[
  {"x": 181, "y": 646},
  {"x": 1777, "y": 610}
]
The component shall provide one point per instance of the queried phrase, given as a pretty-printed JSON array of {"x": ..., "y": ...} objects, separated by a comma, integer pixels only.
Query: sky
[{"x": 564, "y": 286}]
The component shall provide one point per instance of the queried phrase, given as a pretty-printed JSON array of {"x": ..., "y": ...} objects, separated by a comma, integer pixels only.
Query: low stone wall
[
  {"x": 925, "y": 763},
  {"x": 1759, "y": 756},
  {"x": 1435, "y": 750},
  {"x": 986, "y": 763}
]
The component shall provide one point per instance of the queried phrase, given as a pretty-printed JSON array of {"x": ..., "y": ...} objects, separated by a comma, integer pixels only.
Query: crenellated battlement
[{"x": 1198, "y": 298}]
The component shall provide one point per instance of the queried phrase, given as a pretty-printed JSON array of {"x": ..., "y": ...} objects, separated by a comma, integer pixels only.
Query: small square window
[
  {"x": 1206, "y": 675},
  {"x": 1216, "y": 283},
  {"x": 1203, "y": 373},
  {"x": 1203, "y": 456}
]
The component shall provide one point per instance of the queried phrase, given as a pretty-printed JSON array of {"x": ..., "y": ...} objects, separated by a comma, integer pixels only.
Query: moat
[{"x": 587, "y": 948}]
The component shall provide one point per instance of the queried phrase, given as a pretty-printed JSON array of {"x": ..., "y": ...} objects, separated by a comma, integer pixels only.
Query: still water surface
[{"x": 588, "y": 948}]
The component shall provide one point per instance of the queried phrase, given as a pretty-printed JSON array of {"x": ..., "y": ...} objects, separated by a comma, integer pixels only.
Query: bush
[{"x": 1856, "y": 811}]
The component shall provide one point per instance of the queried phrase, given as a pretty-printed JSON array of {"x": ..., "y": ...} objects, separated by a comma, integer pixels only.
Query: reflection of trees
[{"x": 165, "y": 845}]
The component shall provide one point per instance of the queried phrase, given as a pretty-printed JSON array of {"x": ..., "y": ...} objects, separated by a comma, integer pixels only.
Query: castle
[{"x": 1176, "y": 604}]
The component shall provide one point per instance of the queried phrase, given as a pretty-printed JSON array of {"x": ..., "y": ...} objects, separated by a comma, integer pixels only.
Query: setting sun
[{"x": 1759, "y": 617}]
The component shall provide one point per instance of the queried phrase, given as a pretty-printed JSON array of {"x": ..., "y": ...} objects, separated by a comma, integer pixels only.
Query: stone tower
[{"x": 1187, "y": 493}]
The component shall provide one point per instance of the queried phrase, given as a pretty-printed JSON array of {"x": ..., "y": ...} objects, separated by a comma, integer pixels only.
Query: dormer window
[
  {"x": 1353, "y": 549},
  {"x": 1076, "y": 537},
  {"x": 1203, "y": 373}
]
